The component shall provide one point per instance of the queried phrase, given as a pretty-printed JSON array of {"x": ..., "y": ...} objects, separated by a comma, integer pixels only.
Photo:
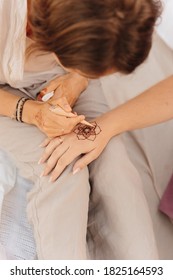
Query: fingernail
[
  {"x": 42, "y": 174},
  {"x": 40, "y": 161},
  {"x": 67, "y": 107},
  {"x": 50, "y": 180},
  {"x": 76, "y": 171},
  {"x": 41, "y": 145}
]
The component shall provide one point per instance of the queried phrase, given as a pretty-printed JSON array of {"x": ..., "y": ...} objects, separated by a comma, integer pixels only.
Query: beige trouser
[{"x": 119, "y": 225}]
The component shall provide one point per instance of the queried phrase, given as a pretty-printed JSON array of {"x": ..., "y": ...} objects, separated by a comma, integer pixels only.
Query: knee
[
  {"x": 114, "y": 157},
  {"x": 113, "y": 168}
]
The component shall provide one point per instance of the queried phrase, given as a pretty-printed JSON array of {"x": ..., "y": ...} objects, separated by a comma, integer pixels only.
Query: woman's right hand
[{"x": 40, "y": 115}]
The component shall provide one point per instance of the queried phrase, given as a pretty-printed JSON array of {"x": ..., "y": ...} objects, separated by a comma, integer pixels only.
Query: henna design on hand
[{"x": 84, "y": 132}]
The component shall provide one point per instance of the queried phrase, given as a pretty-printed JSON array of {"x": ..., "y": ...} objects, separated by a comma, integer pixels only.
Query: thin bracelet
[
  {"x": 16, "y": 111},
  {"x": 19, "y": 108}
]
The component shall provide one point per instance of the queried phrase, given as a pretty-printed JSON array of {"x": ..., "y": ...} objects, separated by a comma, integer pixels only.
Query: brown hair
[{"x": 95, "y": 36}]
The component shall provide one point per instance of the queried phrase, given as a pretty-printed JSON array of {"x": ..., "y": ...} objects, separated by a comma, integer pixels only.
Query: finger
[
  {"x": 53, "y": 132},
  {"x": 45, "y": 142},
  {"x": 45, "y": 96},
  {"x": 59, "y": 111},
  {"x": 59, "y": 91},
  {"x": 63, "y": 103},
  {"x": 50, "y": 148},
  {"x": 84, "y": 161},
  {"x": 74, "y": 121},
  {"x": 39, "y": 96},
  {"x": 52, "y": 86},
  {"x": 44, "y": 92},
  {"x": 56, "y": 130},
  {"x": 68, "y": 156},
  {"x": 54, "y": 158}
]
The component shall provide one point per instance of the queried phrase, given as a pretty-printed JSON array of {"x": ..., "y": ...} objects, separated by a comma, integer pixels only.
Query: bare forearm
[
  {"x": 38, "y": 114},
  {"x": 8, "y": 106},
  {"x": 8, "y": 103},
  {"x": 149, "y": 108}
]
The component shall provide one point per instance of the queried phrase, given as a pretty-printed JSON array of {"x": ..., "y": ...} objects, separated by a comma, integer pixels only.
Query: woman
[{"x": 59, "y": 211}]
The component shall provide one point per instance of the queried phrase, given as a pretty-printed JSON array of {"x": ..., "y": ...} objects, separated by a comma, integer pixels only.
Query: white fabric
[
  {"x": 16, "y": 70},
  {"x": 37, "y": 74},
  {"x": 12, "y": 72},
  {"x": 16, "y": 235},
  {"x": 7, "y": 182},
  {"x": 3, "y": 255},
  {"x": 12, "y": 42},
  {"x": 165, "y": 28},
  {"x": 12, "y": 57}
]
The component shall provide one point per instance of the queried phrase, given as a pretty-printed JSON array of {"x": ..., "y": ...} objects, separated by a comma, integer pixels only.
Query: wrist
[
  {"x": 105, "y": 125},
  {"x": 30, "y": 110},
  {"x": 111, "y": 125}
]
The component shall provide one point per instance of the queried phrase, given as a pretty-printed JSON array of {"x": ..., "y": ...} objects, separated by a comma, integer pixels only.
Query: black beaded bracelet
[{"x": 19, "y": 108}]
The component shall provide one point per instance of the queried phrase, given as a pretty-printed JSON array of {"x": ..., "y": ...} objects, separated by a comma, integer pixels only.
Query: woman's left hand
[
  {"x": 61, "y": 151},
  {"x": 70, "y": 86}
]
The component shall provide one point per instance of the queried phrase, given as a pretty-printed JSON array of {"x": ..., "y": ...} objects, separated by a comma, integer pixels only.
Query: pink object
[{"x": 166, "y": 203}]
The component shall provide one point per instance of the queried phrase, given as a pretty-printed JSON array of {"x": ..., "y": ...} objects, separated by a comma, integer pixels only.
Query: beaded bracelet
[{"x": 19, "y": 108}]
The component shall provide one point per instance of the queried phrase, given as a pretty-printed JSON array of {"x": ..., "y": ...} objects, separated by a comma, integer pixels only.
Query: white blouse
[
  {"x": 13, "y": 19},
  {"x": 29, "y": 74}
]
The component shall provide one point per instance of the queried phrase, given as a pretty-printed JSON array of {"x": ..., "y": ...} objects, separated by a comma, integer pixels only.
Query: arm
[
  {"x": 8, "y": 103},
  {"x": 151, "y": 107},
  {"x": 39, "y": 114}
]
